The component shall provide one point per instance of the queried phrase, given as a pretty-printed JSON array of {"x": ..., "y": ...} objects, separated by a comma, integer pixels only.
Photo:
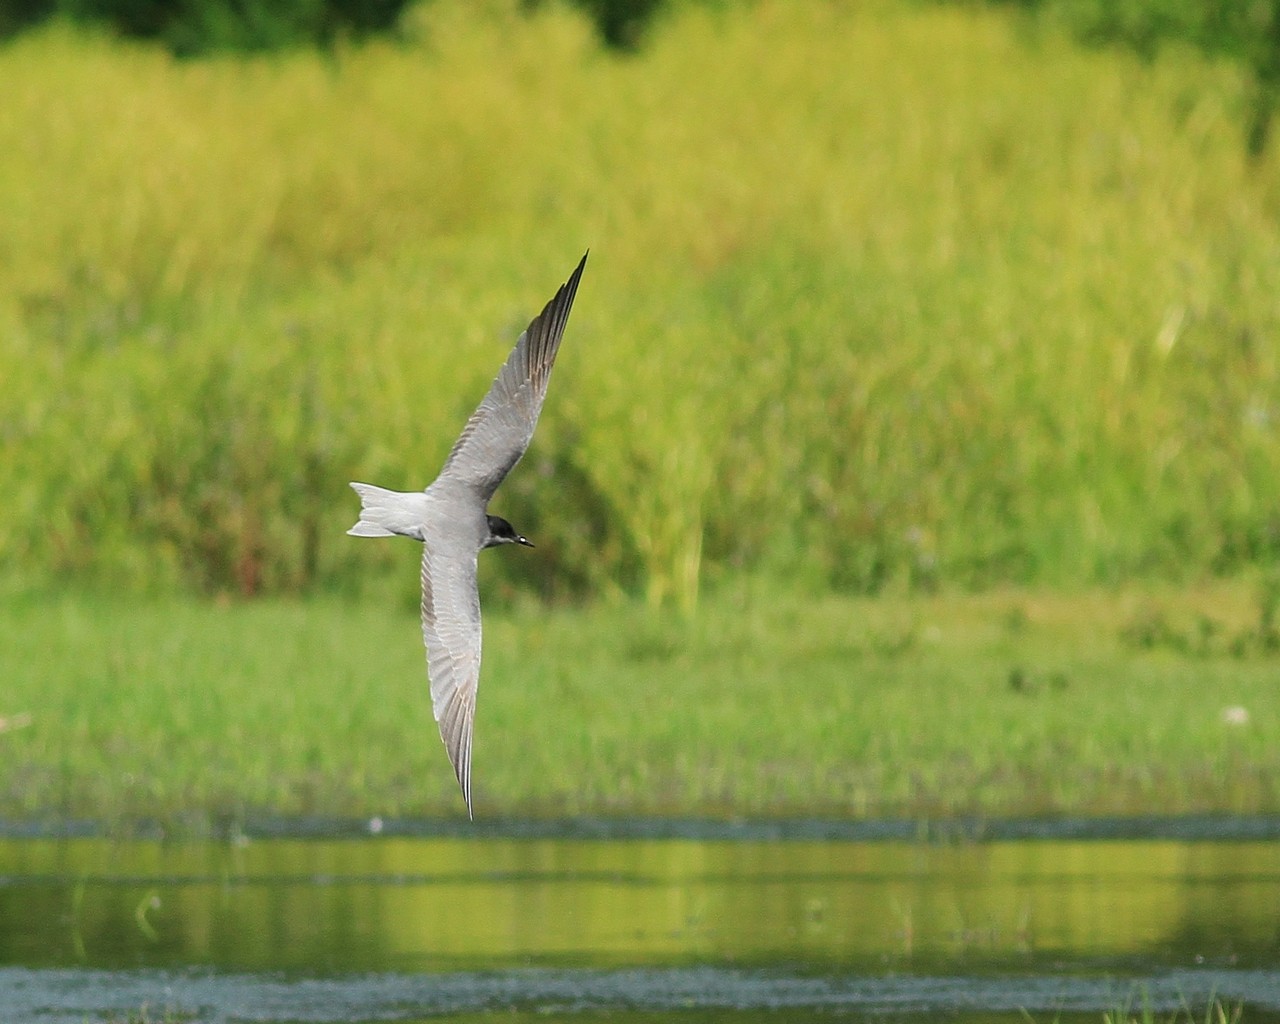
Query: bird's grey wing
[
  {"x": 499, "y": 431},
  {"x": 451, "y": 631}
]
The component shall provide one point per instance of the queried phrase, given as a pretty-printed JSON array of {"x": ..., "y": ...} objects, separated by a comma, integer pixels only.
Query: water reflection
[{"x": 450, "y": 904}]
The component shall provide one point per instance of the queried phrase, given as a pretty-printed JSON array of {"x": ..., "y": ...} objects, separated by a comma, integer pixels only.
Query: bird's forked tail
[{"x": 385, "y": 513}]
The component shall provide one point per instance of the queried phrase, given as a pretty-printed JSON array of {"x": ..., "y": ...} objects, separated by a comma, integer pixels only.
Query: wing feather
[
  {"x": 451, "y": 631},
  {"x": 493, "y": 441},
  {"x": 500, "y": 429}
]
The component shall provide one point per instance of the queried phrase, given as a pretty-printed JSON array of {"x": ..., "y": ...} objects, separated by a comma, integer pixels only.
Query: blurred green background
[
  {"x": 883, "y": 294},
  {"x": 927, "y": 350}
]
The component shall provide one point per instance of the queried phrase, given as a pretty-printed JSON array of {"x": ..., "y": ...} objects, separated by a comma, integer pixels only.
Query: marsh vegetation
[{"x": 998, "y": 310}]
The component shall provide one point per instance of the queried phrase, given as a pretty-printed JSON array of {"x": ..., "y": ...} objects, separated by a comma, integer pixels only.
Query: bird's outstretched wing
[
  {"x": 499, "y": 431},
  {"x": 451, "y": 630}
]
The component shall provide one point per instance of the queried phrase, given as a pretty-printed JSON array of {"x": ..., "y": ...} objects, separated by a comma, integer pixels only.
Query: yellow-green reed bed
[
  {"x": 880, "y": 295},
  {"x": 1009, "y": 703}
]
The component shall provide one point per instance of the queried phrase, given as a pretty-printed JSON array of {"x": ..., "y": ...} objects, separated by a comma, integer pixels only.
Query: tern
[{"x": 451, "y": 520}]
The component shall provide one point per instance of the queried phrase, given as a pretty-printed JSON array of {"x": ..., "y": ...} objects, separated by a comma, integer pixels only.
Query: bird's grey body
[{"x": 450, "y": 518}]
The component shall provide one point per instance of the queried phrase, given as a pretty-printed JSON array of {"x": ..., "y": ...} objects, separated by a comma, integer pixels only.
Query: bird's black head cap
[{"x": 502, "y": 532}]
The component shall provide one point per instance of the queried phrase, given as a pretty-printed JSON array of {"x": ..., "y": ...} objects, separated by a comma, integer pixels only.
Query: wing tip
[
  {"x": 559, "y": 306},
  {"x": 548, "y": 326},
  {"x": 454, "y": 720},
  {"x": 466, "y": 774},
  {"x": 571, "y": 285}
]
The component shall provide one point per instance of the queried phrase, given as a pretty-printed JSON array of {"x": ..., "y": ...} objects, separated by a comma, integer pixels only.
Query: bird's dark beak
[{"x": 524, "y": 540}]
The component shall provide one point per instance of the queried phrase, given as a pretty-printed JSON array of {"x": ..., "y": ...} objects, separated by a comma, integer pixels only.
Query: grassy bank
[
  {"x": 885, "y": 295},
  {"x": 1008, "y": 703}
]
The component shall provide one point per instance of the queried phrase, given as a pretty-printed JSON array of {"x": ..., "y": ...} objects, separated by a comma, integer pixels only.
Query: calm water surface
[{"x": 638, "y": 930}]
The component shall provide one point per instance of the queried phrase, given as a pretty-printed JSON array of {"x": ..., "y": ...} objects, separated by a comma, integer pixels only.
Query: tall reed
[{"x": 880, "y": 296}]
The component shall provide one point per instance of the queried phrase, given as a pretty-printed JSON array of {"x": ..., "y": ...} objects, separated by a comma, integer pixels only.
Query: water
[{"x": 639, "y": 929}]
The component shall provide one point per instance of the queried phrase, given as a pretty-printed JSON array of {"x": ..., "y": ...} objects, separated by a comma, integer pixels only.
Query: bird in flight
[{"x": 451, "y": 520}]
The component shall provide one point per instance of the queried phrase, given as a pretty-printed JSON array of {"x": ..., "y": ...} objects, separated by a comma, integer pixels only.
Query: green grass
[
  {"x": 1012, "y": 702},
  {"x": 882, "y": 296},
  {"x": 1216, "y": 1012}
]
